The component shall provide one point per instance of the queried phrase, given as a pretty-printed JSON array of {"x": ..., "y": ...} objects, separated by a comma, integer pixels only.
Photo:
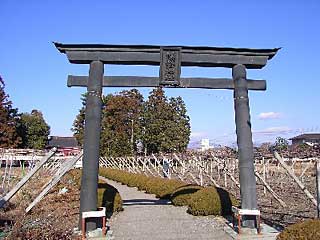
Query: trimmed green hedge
[
  {"x": 201, "y": 201},
  {"x": 307, "y": 230},
  {"x": 161, "y": 187},
  {"x": 182, "y": 196},
  {"x": 211, "y": 201},
  {"x": 108, "y": 196}
]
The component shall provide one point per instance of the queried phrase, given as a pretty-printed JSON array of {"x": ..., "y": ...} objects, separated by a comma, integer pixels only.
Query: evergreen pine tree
[
  {"x": 33, "y": 130},
  {"x": 8, "y": 120},
  {"x": 166, "y": 123},
  {"x": 180, "y": 132},
  {"x": 78, "y": 123},
  {"x": 121, "y": 128}
]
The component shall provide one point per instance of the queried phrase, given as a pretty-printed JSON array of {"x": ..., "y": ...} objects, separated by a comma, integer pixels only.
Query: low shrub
[
  {"x": 211, "y": 201},
  {"x": 141, "y": 183},
  {"x": 168, "y": 187},
  {"x": 109, "y": 197},
  {"x": 135, "y": 180},
  {"x": 182, "y": 195},
  {"x": 307, "y": 230},
  {"x": 153, "y": 184},
  {"x": 161, "y": 187}
]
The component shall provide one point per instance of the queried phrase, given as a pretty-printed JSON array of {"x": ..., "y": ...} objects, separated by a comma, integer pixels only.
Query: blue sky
[{"x": 35, "y": 73}]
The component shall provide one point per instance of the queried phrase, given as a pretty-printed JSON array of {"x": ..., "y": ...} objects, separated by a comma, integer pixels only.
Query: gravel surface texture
[{"x": 146, "y": 217}]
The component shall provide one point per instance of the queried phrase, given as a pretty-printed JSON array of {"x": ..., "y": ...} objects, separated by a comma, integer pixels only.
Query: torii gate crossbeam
[{"x": 170, "y": 59}]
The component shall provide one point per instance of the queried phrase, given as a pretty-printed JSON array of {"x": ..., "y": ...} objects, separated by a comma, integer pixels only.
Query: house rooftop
[
  {"x": 62, "y": 142},
  {"x": 307, "y": 136}
]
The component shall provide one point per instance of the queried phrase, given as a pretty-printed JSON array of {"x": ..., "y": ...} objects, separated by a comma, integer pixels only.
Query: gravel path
[{"x": 146, "y": 217}]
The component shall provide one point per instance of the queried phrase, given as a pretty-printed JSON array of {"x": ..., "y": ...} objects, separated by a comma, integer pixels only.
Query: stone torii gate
[{"x": 170, "y": 59}]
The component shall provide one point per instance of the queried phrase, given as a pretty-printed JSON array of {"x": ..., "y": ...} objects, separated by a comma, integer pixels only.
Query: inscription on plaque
[{"x": 170, "y": 66}]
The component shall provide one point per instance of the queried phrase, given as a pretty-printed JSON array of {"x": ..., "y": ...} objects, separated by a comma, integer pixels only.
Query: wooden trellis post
[
  {"x": 295, "y": 178},
  {"x": 26, "y": 178}
]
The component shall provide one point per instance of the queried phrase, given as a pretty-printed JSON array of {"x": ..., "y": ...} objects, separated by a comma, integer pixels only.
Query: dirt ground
[{"x": 54, "y": 217}]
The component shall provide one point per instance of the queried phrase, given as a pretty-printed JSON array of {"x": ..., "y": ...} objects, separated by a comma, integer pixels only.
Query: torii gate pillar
[
  {"x": 91, "y": 151},
  {"x": 244, "y": 141}
]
